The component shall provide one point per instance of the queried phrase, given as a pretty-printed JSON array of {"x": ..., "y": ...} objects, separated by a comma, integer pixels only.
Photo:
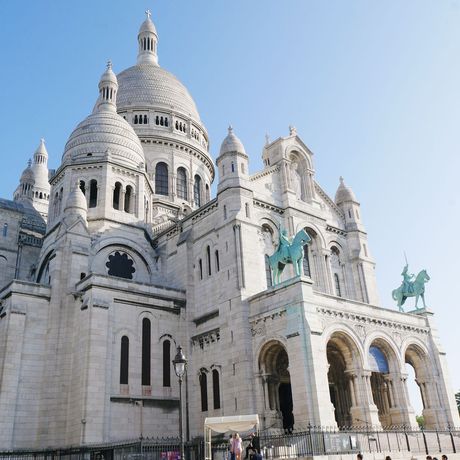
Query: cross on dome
[
  {"x": 148, "y": 13},
  {"x": 341, "y": 180},
  {"x": 230, "y": 129},
  {"x": 109, "y": 65}
]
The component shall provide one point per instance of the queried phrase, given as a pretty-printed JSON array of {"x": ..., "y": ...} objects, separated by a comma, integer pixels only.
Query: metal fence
[{"x": 274, "y": 445}]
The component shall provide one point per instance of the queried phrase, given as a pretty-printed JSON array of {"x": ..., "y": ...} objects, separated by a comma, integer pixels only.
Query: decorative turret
[
  {"x": 233, "y": 162},
  {"x": 346, "y": 200},
  {"x": 76, "y": 204},
  {"x": 148, "y": 40},
  {"x": 34, "y": 188},
  {"x": 108, "y": 87}
]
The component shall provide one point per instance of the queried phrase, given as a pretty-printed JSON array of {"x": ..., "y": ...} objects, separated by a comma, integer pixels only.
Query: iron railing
[{"x": 274, "y": 445}]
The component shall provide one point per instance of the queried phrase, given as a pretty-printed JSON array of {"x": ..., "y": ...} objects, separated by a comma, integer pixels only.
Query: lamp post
[{"x": 180, "y": 368}]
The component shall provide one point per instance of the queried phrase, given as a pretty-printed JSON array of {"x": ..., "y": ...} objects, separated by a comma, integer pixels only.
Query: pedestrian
[
  {"x": 250, "y": 446},
  {"x": 387, "y": 457},
  {"x": 237, "y": 446},
  {"x": 230, "y": 448},
  {"x": 429, "y": 457},
  {"x": 444, "y": 457},
  {"x": 359, "y": 457}
]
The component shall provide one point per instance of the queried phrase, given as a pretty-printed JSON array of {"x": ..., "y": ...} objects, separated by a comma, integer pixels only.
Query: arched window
[
  {"x": 135, "y": 119},
  {"x": 116, "y": 196},
  {"x": 157, "y": 120},
  {"x": 306, "y": 262},
  {"x": 208, "y": 259},
  {"x": 166, "y": 363},
  {"x": 217, "y": 260},
  {"x": 93, "y": 194},
  {"x": 246, "y": 208},
  {"x": 166, "y": 122},
  {"x": 197, "y": 191},
  {"x": 225, "y": 212},
  {"x": 83, "y": 187},
  {"x": 337, "y": 285},
  {"x": 145, "y": 119},
  {"x": 233, "y": 167},
  {"x": 161, "y": 179},
  {"x": 216, "y": 389},
  {"x": 41, "y": 195},
  {"x": 146, "y": 351},
  {"x": 181, "y": 183},
  {"x": 208, "y": 195},
  {"x": 128, "y": 199},
  {"x": 5, "y": 229},
  {"x": 204, "y": 391},
  {"x": 200, "y": 266},
  {"x": 124, "y": 360},
  {"x": 268, "y": 272}
]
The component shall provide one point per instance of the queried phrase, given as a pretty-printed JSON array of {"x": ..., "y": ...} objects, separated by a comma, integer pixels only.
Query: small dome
[
  {"x": 108, "y": 76},
  {"x": 231, "y": 144},
  {"x": 104, "y": 135},
  {"x": 76, "y": 200},
  {"x": 344, "y": 193},
  {"x": 28, "y": 175},
  {"x": 148, "y": 26}
]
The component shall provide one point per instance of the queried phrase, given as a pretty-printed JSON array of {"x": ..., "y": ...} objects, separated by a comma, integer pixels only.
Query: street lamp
[{"x": 180, "y": 368}]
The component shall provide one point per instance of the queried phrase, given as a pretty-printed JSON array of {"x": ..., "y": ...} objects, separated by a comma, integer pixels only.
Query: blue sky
[{"x": 372, "y": 87}]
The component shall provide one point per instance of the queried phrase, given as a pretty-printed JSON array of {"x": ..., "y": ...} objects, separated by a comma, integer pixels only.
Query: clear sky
[{"x": 372, "y": 87}]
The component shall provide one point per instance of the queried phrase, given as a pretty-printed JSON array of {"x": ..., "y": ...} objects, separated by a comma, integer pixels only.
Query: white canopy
[
  {"x": 233, "y": 423},
  {"x": 223, "y": 424}
]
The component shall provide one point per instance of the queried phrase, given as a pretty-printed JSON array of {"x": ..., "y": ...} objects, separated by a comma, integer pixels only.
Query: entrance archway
[
  {"x": 343, "y": 356},
  {"x": 417, "y": 359},
  {"x": 382, "y": 364},
  {"x": 274, "y": 367}
]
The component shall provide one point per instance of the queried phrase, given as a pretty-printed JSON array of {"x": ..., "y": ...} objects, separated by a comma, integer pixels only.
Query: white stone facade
[{"x": 138, "y": 259}]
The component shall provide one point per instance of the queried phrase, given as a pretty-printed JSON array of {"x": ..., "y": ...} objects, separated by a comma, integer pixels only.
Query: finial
[
  {"x": 29, "y": 163},
  {"x": 292, "y": 130},
  {"x": 267, "y": 139},
  {"x": 109, "y": 65},
  {"x": 148, "y": 13},
  {"x": 230, "y": 129},
  {"x": 42, "y": 140},
  {"x": 341, "y": 180}
]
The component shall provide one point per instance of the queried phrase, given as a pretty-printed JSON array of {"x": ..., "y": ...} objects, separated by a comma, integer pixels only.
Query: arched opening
[
  {"x": 146, "y": 339},
  {"x": 208, "y": 259},
  {"x": 216, "y": 255},
  {"x": 83, "y": 187},
  {"x": 197, "y": 191},
  {"x": 166, "y": 363},
  {"x": 216, "y": 388},
  {"x": 5, "y": 229},
  {"x": 381, "y": 360},
  {"x": 204, "y": 390},
  {"x": 181, "y": 183},
  {"x": 208, "y": 196},
  {"x": 124, "y": 360},
  {"x": 277, "y": 391},
  {"x": 200, "y": 268},
  {"x": 93, "y": 194},
  {"x": 128, "y": 199},
  {"x": 342, "y": 356},
  {"x": 161, "y": 179},
  {"x": 116, "y": 196},
  {"x": 418, "y": 383}
]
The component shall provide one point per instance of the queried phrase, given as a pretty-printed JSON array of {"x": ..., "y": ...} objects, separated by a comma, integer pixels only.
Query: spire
[
  {"x": 41, "y": 154},
  {"x": 108, "y": 87},
  {"x": 76, "y": 202},
  {"x": 147, "y": 40},
  {"x": 344, "y": 193}
]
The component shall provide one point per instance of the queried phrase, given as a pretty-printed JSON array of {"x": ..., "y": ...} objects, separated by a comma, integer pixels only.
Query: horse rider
[
  {"x": 407, "y": 280},
  {"x": 284, "y": 243}
]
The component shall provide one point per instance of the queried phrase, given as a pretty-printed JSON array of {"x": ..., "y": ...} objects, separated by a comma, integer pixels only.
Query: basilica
[{"x": 121, "y": 254}]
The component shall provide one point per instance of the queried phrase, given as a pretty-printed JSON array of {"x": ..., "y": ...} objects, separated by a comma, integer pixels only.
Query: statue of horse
[
  {"x": 292, "y": 253},
  {"x": 417, "y": 290}
]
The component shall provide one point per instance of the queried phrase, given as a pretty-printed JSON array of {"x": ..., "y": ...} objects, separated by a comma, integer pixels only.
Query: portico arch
[
  {"x": 344, "y": 359},
  {"x": 385, "y": 367},
  {"x": 276, "y": 382}
]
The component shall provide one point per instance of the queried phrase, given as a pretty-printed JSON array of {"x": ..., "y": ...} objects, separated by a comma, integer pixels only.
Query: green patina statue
[
  {"x": 288, "y": 252},
  {"x": 411, "y": 288}
]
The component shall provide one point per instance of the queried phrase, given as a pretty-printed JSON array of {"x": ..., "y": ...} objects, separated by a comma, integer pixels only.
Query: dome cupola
[
  {"x": 105, "y": 135},
  {"x": 148, "y": 40},
  {"x": 231, "y": 144},
  {"x": 344, "y": 193},
  {"x": 108, "y": 87}
]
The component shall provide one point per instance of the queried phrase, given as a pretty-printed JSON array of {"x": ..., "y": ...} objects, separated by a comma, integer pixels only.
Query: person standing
[{"x": 237, "y": 446}]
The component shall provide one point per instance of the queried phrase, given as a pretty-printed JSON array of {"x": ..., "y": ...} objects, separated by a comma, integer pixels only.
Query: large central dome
[{"x": 147, "y": 85}]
